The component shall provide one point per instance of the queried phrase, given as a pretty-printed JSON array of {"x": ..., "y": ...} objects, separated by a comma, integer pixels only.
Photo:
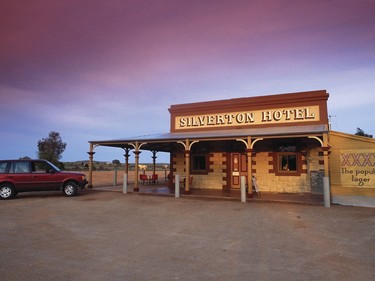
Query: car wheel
[
  {"x": 7, "y": 191},
  {"x": 70, "y": 188}
]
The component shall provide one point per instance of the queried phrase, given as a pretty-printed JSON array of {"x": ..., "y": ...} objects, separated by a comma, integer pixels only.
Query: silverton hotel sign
[{"x": 246, "y": 118}]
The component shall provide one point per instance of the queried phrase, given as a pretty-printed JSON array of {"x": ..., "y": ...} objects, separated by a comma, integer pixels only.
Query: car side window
[
  {"x": 40, "y": 167},
  {"x": 3, "y": 167},
  {"x": 21, "y": 167}
]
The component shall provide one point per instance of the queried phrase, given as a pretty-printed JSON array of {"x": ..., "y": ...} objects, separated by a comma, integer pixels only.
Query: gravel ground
[{"x": 102, "y": 235}]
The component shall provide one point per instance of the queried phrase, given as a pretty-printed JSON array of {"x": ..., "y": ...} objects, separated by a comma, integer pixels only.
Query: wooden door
[{"x": 238, "y": 168}]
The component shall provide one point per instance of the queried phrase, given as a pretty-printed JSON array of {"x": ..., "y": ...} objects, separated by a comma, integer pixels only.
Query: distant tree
[
  {"x": 51, "y": 148},
  {"x": 25, "y": 158},
  {"x": 116, "y": 162},
  {"x": 360, "y": 132}
]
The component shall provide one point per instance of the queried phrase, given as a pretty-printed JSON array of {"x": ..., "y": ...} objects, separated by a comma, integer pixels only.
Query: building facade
[
  {"x": 283, "y": 141},
  {"x": 278, "y": 139}
]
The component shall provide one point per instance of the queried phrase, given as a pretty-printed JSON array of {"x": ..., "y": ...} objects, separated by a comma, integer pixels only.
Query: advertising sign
[{"x": 357, "y": 168}]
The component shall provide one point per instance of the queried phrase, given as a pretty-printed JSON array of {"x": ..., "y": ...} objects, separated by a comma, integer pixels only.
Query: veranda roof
[{"x": 165, "y": 141}]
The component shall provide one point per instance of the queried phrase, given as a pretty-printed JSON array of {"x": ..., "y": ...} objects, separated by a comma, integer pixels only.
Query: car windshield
[{"x": 54, "y": 167}]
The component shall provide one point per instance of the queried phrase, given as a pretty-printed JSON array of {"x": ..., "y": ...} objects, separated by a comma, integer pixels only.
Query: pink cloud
[
  {"x": 104, "y": 62},
  {"x": 144, "y": 38}
]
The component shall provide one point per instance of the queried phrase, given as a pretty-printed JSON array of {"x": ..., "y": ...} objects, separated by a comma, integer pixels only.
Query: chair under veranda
[
  {"x": 155, "y": 179},
  {"x": 143, "y": 178}
]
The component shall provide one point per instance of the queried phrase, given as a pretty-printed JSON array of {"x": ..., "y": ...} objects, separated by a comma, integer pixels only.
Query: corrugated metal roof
[{"x": 221, "y": 134}]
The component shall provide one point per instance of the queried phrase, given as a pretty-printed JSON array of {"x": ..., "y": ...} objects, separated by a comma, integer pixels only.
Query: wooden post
[
  {"x": 187, "y": 167},
  {"x": 249, "y": 173},
  {"x": 136, "y": 156},
  {"x": 326, "y": 182},
  {"x": 154, "y": 161},
  {"x": 325, "y": 149},
  {"x": 126, "y": 155},
  {"x": 91, "y": 157}
]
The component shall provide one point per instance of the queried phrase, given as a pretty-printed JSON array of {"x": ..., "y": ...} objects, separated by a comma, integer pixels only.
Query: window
[
  {"x": 199, "y": 163},
  {"x": 287, "y": 162},
  {"x": 40, "y": 167},
  {"x": 21, "y": 167},
  {"x": 3, "y": 167}
]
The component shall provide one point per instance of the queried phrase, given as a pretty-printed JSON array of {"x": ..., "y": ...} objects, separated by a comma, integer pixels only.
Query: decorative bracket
[
  {"x": 249, "y": 143},
  {"x": 189, "y": 146},
  {"x": 318, "y": 139},
  {"x": 137, "y": 146}
]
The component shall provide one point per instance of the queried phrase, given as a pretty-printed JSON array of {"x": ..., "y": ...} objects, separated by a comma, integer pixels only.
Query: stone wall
[
  {"x": 212, "y": 180},
  {"x": 268, "y": 181},
  {"x": 262, "y": 167}
]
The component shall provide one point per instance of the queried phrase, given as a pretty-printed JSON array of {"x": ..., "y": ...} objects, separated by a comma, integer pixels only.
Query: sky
[{"x": 100, "y": 70}]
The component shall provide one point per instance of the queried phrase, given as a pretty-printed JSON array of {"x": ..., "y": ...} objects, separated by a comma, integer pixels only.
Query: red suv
[{"x": 37, "y": 175}]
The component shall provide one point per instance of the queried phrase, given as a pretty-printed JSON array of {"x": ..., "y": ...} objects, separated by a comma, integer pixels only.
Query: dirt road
[{"x": 102, "y": 235}]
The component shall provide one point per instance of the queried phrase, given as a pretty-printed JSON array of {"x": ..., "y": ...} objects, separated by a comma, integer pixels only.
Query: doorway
[{"x": 237, "y": 168}]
